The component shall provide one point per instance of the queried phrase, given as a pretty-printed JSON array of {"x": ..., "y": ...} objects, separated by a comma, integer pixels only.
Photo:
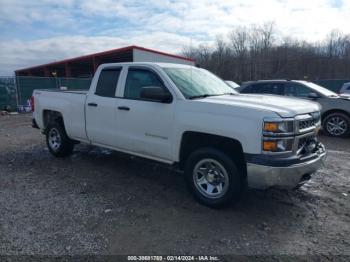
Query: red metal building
[{"x": 85, "y": 66}]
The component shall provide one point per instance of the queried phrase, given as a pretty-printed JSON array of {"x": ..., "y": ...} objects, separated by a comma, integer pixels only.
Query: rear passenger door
[{"x": 101, "y": 122}]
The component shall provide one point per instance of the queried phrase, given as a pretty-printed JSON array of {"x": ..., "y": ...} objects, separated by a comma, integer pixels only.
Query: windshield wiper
[
  {"x": 202, "y": 96},
  {"x": 230, "y": 93},
  {"x": 207, "y": 95}
]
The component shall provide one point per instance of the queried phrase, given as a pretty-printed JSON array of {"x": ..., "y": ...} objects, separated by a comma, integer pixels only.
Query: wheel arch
[
  {"x": 332, "y": 111},
  {"x": 346, "y": 114},
  {"x": 192, "y": 140},
  {"x": 50, "y": 116}
]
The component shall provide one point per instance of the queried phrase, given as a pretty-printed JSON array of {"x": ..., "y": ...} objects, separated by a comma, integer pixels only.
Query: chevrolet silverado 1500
[{"x": 186, "y": 116}]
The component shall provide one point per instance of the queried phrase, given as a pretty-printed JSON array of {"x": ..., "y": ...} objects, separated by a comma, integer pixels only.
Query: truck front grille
[
  {"x": 308, "y": 122},
  {"x": 304, "y": 124}
]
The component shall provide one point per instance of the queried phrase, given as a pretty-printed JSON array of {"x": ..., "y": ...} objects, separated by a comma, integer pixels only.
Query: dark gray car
[{"x": 335, "y": 108}]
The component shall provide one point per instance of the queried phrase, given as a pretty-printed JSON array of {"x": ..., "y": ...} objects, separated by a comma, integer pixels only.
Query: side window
[
  {"x": 297, "y": 90},
  {"x": 265, "y": 88},
  {"x": 107, "y": 82},
  {"x": 270, "y": 88},
  {"x": 248, "y": 90},
  {"x": 138, "y": 78}
]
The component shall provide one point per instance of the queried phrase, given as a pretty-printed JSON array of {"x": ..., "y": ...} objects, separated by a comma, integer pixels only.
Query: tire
[
  {"x": 336, "y": 125},
  {"x": 59, "y": 144},
  {"x": 209, "y": 166}
]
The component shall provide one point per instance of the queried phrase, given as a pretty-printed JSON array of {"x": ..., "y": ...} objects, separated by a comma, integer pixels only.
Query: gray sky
[{"x": 35, "y": 32}]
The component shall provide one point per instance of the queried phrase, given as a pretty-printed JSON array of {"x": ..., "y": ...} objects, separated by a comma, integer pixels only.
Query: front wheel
[
  {"x": 213, "y": 177},
  {"x": 337, "y": 125},
  {"x": 59, "y": 144}
]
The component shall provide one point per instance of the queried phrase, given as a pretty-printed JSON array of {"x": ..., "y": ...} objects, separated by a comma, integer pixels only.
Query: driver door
[{"x": 144, "y": 127}]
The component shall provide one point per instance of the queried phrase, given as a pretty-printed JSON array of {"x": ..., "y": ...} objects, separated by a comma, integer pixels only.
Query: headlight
[
  {"x": 278, "y": 127},
  {"x": 278, "y": 145},
  {"x": 278, "y": 135}
]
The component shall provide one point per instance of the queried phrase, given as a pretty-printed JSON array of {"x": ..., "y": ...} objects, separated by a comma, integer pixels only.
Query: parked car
[
  {"x": 232, "y": 84},
  {"x": 185, "y": 116},
  {"x": 345, "y": 88},
  {"x": 335, "y": 109}
]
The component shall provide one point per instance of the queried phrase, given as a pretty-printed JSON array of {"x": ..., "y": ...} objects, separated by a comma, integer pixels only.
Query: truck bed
[
  {"x": 69, "y": 103},
  {"x": 77, "y": 91}
]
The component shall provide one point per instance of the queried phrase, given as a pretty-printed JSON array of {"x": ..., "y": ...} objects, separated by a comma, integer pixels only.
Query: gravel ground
[{"x": 102, "y": 202}]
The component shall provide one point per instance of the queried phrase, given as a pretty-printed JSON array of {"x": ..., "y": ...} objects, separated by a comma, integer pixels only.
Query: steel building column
[
  {"x": 46, "y": 72},
  {"x": 94, "y": 64},
  {"x": 68, "y": 70}
]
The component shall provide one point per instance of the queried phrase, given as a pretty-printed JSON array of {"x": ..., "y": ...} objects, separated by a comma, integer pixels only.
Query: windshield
[
  {"x": 320, "y": 89},
  {"x": 196, "y": 82}
]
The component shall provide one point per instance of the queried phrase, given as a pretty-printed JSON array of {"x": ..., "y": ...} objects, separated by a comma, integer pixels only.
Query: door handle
[
  {"x": 92, "y": 104},
  {"x": 123, "y": 108}
]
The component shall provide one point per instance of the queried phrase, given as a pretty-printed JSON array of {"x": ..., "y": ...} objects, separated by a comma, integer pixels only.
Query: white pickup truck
[{"x": 186, "y": 116}]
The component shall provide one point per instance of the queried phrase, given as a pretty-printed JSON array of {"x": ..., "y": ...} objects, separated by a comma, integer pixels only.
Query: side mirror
[
  {"x": 313, "y": 95},
  {"x": 156, "y": 94}
]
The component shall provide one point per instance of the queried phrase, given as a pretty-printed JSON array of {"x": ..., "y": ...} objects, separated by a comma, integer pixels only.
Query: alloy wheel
[{"x": 336, "y": 126}]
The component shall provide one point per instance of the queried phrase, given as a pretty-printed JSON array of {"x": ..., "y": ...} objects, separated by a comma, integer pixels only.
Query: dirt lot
[{"x": 102, "y": 202}]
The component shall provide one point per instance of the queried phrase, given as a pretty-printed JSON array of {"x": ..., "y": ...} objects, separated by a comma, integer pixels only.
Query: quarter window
[
  {"x": 107, "y": 82},
  {"x": 137, "y": 79}
]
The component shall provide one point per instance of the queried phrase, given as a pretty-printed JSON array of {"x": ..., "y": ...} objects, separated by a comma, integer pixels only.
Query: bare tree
[{"x": 254, "y": 53}]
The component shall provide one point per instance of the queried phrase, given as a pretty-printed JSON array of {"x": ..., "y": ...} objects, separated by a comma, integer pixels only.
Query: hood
[{"x": 283, "y": 106}]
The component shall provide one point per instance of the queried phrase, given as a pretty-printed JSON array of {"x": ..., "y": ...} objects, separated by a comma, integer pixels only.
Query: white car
[{"x": 185, "y": 116}]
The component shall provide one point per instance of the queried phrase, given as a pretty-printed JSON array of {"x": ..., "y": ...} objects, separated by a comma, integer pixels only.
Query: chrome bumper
[{"x": 262, "y": 176}]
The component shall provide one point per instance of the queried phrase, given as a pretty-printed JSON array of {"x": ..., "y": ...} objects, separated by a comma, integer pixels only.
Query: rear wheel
[
  {"x": 337, "y": 125},
  {"x": 213, "y": 177},
  {"x": 59, "y": 144}
]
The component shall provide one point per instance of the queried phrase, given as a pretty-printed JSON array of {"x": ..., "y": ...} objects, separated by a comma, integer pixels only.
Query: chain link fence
[
  {"x": 26, "y": 85},
  {"x": 8, "y": 94},
  {"x": 16, "y": 91}
]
